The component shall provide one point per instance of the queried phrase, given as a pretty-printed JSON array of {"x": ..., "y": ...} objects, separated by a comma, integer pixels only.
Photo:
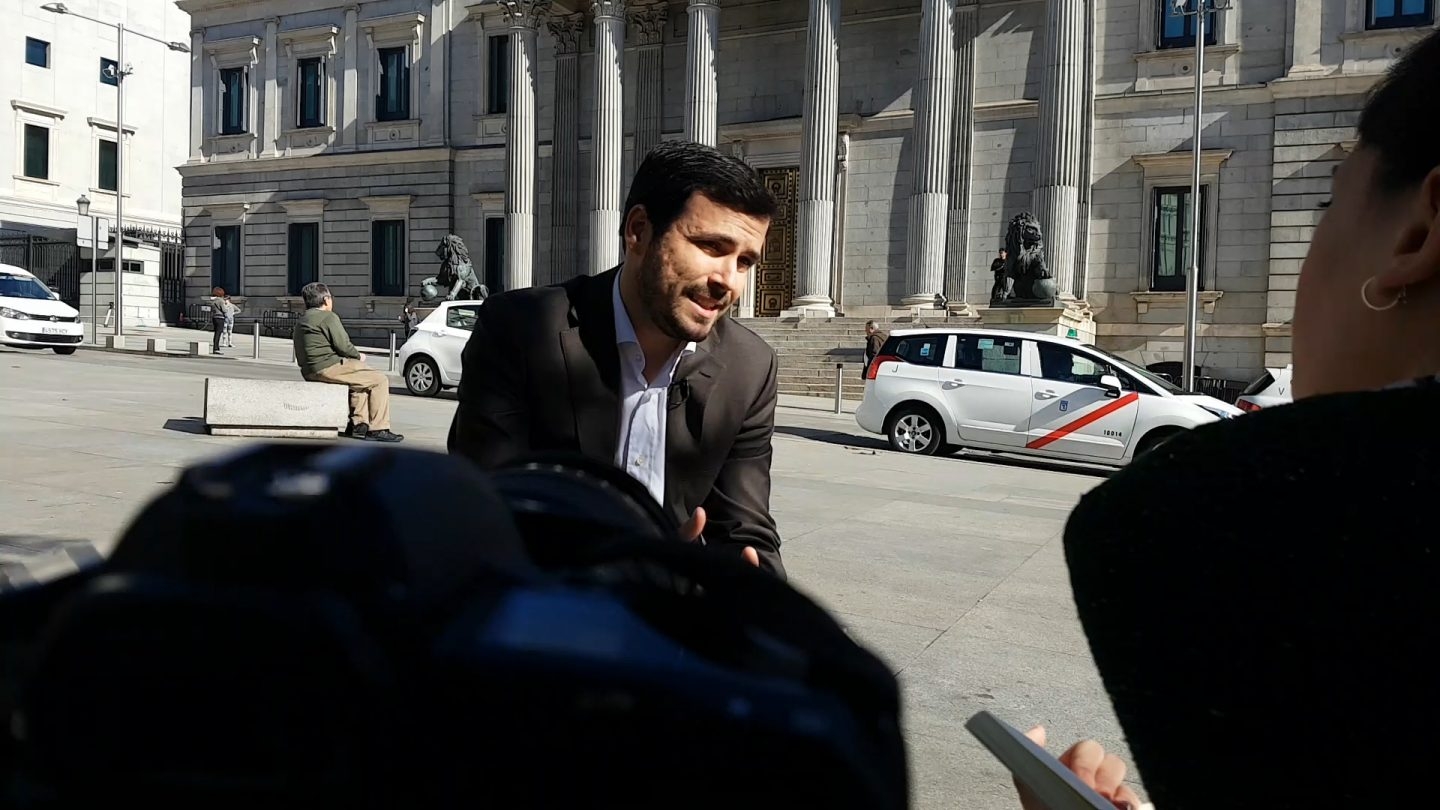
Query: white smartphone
[{"x": 1052, "y": 784}]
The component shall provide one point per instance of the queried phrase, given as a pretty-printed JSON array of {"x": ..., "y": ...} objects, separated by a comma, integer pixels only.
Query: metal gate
[
  {"x": 56, "y": 262},
  {"x": 172, "y": 269}
]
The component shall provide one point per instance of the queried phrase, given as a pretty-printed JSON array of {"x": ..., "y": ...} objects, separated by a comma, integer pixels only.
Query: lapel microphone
[{"x": 677, "y": 394}]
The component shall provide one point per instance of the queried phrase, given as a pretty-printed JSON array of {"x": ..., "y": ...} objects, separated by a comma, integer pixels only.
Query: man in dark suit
[{"x": 639, "y": 366}]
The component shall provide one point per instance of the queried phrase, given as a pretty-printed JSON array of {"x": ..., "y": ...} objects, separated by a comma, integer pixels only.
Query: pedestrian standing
[
  {"x": 217, "y": 317},
  {"x": 231, "y": 310},
  {"x": 874, "y": 340}
]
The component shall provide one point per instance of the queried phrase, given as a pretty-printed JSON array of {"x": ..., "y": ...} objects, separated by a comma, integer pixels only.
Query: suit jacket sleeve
[
  {"x": 491, "y": 425},
  {"x": 738, "y": 507}
]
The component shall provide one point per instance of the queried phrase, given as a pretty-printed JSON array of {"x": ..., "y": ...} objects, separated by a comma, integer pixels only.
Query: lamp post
[
  {"x": 83, "y": 204},
  {"x": 1200, "y": 11},
  {"x": 121, "y": 70}
]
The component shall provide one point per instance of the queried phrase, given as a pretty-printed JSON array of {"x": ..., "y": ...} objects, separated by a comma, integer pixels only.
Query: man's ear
[
  {"x": 1415, "y": 258},
  {"x": 637, "y": 228}
]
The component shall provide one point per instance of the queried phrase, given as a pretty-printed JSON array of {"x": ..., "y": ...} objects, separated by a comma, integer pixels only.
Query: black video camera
[{"x": 368, "y": 627}]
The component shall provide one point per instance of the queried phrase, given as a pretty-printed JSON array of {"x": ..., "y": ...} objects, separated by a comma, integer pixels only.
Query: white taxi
[
  {"x": 431, "y": 357},
  {"x": 942, "y": 389},
  {"x": 33, "y": 317}
]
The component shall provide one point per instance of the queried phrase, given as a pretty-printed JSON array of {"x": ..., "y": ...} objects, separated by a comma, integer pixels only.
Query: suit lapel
[
  {"x": 592, "y": 366},
  {"x": 686, "y": 424}
]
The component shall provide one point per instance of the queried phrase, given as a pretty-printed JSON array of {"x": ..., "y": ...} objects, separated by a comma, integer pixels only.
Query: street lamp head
[
  {"x": 84, "y": 205},
  {"x": 56, "y": 8},
  {"x": 178, "y": 47}
]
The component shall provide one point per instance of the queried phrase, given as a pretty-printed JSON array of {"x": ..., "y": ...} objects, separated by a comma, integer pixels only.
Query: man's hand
[
  {"x": 1103, "y": 772},
  {"x": 695, "y": 527}
]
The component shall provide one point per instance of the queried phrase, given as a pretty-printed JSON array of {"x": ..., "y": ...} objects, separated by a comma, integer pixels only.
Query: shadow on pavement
[
  {"x": 189, "y": 424},
  {"x": 28, "y": 560},
  {"x": 876, "y": 443},
  {"x": 402, "y": 391}
]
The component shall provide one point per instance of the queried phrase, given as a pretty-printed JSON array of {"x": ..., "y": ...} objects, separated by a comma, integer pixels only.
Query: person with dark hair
[
  {"x": 219, "y": 308},
  {"x": 1280, "y": 662},
  {"x": 637, "y": 366},
  {"x": 326, "y": 355}
]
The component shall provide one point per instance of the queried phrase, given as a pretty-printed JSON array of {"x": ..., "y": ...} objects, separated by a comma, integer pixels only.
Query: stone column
[
  {"x": 523, "y": 18},
  {"x": 647, "y": 26},
  {"x": 198, "y": 116},
  {"x": 957, "y": 234},
  {"x": 270, "y": 104},
  {"x": 934, "y": 109},
  {"x": 1058, "y": 172},
  {"x": 816, "y": 212},
  {"x": 701, "y": 45},
  {"x": 747, "y": 299},
  {"x": 433, "y": 120},
  {"x": 608, "y": 136},
  {"x": 349, "y": 82},
  {"x": 1305, "y": 17},
  {"x": 564, "y": 168}
]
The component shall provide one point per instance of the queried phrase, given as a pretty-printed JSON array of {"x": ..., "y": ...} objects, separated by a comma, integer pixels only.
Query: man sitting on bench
[{"x": 326, "y": 355}]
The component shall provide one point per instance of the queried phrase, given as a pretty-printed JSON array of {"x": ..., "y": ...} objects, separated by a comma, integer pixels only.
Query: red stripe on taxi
[{"x": 1089, "y": 418}]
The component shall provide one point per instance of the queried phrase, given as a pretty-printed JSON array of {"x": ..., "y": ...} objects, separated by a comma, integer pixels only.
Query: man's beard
[{"x": 663, "y": 307}]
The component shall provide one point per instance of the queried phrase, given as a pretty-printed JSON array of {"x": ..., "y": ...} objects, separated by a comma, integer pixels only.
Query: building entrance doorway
[{"x": 775, "y": 275}]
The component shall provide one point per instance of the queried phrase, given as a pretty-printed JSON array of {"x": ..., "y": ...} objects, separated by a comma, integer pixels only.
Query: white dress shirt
[{"x": 643, "y": 405}]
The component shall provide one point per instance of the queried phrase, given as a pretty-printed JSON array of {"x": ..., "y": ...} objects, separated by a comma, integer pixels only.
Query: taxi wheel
[
  {"x": 422, "y": 377},
  {"x": 64, "y": 349},
  {"x": 1155, "y": 438},
  {"x": 915, "y": 430}
]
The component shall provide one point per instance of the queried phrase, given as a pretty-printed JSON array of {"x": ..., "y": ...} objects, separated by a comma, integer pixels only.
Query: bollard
[
  {"x": 392, "y": 350},
  {"x": 255, "y": 350},
  {"x": 839, "y": 384}
]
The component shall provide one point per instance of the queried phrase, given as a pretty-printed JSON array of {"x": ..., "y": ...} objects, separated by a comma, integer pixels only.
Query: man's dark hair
[
  {"x": 1401, "y": 118},
  {"x": 674, "y": 170},
  {"x": 315, "y": 294}
]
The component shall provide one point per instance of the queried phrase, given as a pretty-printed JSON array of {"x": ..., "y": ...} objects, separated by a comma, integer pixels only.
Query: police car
[
  {"x": 33, "y": 317},
  {"x": 938, "y": 390}
]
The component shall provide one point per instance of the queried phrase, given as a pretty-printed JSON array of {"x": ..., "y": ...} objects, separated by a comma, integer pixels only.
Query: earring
[{"x": 1365, "y": 297}]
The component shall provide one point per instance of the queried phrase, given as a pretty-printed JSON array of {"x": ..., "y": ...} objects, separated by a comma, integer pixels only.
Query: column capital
[
  {"x": 526, "y": 15},
  {"x": 647, "y": 23},
  {"x": 698, "y": 5},
  {"x": 608, "y": 10},
  {"x": 566, "y": 32}
]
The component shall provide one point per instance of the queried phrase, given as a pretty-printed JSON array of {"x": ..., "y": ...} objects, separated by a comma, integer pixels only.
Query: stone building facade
[{"x": 343, "y": 141}]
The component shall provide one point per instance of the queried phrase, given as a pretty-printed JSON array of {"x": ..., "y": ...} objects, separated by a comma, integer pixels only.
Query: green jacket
[{"x": 321, "y": 341}]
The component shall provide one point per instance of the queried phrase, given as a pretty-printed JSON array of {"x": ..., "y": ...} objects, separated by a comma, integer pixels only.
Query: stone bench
[{"x": 279, "y": 409}]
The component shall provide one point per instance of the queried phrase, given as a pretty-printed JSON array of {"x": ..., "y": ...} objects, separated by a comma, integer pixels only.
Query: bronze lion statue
[{"x": 1025, "y": 280}]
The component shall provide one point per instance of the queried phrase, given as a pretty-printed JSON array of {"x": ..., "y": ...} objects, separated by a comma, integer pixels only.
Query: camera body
[{"x": 283, "y": 628}]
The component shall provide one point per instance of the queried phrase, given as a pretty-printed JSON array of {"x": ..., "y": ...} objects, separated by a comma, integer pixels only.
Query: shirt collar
[{"x": 625, "y": 328}]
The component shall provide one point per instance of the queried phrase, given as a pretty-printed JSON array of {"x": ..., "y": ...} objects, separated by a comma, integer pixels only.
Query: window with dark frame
[
  {"x": 37, "y": 52},
  {"x": 992, "y": 354},
  {"x": 225, "y": 259},
  {"x": 233, "y": 92},
  {"x": 495, "y": 254},
  {"x": 387, "y": 257},
  {"x": 1381, "y": 14},
  {"x": 497, "y": 76},
  {"x": 1170, "y": 259},
  {"x": 109, "y": 72},
  {"x": 107, "y": 175},
  {"x": 392, "y": 103},
  {"x": 303, "y": 262},
  {"x": 37, "y": 152},
  {"x": 310, "y": 100},
  {"x": 1177, "y": 30}
]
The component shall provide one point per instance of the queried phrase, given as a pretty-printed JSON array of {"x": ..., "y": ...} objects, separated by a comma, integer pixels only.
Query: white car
[
  {"x": 941, "y": 389},
  {"x": 431, "y": 356},
  {"x": 1270, "y": 389},
  {"x": 34, "y": 317}
]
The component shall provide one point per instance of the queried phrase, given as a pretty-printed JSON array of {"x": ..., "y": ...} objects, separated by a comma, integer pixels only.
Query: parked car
[
  {"x": 431, "y": 357},
  {"x": 1268, "y": 390},
  {"x": 933, "y": 390},
  {"x": 32, "y": 316}
]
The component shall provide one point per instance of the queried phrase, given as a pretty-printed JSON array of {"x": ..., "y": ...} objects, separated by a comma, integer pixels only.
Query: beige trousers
[{"x": 369, "y": 391}]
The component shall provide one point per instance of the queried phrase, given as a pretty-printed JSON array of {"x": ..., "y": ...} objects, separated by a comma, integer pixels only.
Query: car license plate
[{"x": 52, "y": 330}]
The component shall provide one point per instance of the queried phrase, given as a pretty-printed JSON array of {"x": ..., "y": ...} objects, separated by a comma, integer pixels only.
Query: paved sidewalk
[{"x": 277, "y": 350}]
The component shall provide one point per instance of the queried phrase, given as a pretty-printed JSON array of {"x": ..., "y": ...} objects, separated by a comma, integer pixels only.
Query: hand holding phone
[{"x": 1050, "y": 783}]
